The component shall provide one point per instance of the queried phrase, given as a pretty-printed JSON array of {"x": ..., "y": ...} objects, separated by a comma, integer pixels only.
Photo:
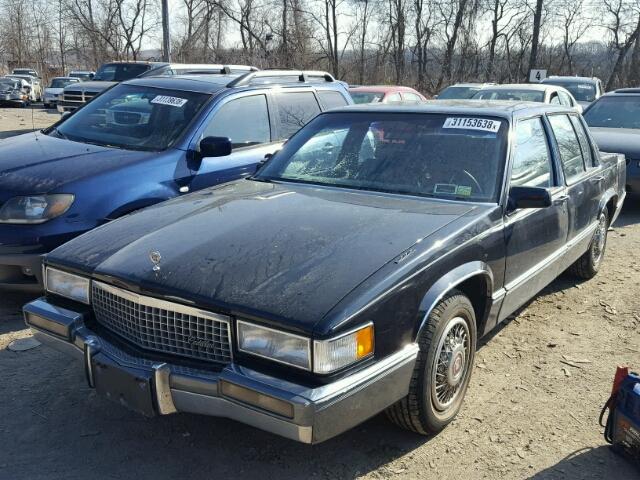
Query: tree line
[{"x": 427, "y": 44}]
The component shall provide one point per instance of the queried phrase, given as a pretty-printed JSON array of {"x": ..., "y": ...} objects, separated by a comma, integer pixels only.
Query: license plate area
[{"x": 128, "y": 387}]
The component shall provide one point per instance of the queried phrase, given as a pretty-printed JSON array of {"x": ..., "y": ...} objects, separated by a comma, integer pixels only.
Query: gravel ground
[
  {"x": 531, "y": 410},
  {"x": 14, "y": 121}
]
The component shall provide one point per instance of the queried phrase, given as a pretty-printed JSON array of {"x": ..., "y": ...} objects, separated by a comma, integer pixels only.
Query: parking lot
[{"x": 531, "y": 411}]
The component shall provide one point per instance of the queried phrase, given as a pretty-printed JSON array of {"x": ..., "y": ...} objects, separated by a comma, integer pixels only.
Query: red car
[{"x": 385, "y": 94}]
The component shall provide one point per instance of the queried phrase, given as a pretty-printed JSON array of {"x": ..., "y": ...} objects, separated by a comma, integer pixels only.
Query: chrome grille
[{"x": 162, "y": 326}]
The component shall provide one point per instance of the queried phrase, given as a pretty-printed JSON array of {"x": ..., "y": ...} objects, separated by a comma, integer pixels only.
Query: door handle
[
  {"x": 599, "y": 178},
  {"x": 560, "y": 200}
]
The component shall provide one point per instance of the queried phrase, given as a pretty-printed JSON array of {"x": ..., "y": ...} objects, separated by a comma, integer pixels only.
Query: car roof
[
  {"x": 471, "y": 84},
  {"x": 495, "y": 108},
  {"x": 64, "y": 78},
  {"x": 381, "y": 88},
  {"x": 210, "y": 84},
  {"x": 535, "y": 87},
  {"x": 624, "y": 91},
  {"x": 568, "y": 79}
]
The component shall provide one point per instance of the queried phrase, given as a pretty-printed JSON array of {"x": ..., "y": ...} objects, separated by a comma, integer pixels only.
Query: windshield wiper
[{"x": 60, "y": 134}]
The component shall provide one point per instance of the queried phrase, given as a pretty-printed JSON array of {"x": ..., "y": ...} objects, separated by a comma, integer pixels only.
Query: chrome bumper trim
[{"x": 319, "y": 413}]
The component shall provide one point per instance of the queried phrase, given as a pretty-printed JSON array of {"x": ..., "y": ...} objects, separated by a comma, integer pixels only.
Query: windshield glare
[
  {"x": 119, "y": 72},
  {"x": 460, "y": 93},
  {"x": 503, "y": 94},
  {"x": 582, "y": 92},
  {"x": 367, "y": 97},
  {"x": 406, "y": 153},
  {"x": 614, "y": 112},
  {"x": 5, "y": 84},
  {"x": 60, "y": 83},
  {"x": 133, "y": 117}
]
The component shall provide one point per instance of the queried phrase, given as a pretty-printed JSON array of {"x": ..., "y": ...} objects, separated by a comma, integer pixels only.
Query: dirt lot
[
  {"x": 14, "y": 121},
  {"x": 527, "y": 414}
]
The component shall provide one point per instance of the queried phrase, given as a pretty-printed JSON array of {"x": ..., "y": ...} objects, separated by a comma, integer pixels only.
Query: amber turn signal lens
[{"x": 364, "y": 342}]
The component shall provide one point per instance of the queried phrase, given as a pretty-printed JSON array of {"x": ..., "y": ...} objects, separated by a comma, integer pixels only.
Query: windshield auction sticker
[
  {"x": 171, "y": 101},
  {"x": 468, "y": 123}
]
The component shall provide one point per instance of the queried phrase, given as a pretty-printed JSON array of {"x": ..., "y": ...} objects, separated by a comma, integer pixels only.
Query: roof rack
[{"x": 303, "y": 76}]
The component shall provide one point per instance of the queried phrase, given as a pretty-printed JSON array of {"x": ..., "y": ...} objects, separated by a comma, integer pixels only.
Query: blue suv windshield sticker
[{"x": 171, "y": 101}]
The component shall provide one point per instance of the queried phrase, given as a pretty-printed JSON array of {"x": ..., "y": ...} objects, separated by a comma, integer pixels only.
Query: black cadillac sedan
[{"x": 353, "y": 273}]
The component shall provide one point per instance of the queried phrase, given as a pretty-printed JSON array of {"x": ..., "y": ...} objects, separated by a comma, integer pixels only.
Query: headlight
[
  {"x": 67, "y": 285},
  {"x": 282, "y": 347},
  {"x": 328, "y": 355},
  {"x": 35, "y": 208},
  {"x": 348, "y": 348}
]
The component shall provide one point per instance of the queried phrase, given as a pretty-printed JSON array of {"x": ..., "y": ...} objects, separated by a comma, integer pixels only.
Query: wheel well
[
  {"x": 476, "y": 289},
  {"x": 611, "y": 206}
]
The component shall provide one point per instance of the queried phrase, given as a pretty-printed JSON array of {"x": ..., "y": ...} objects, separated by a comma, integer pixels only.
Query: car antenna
[{"x": 33, "y": 124}]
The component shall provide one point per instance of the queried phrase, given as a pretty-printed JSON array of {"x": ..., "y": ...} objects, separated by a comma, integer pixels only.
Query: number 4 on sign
[{"x": 537, "y": 75}]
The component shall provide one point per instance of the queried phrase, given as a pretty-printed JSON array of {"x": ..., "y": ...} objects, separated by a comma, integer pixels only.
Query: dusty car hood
[
  {"x": 37, "y": 163},
  {"x": 89, "y": 86},
  {"x": 283, "y": 253},
  {"x": 618, "y": 140}
]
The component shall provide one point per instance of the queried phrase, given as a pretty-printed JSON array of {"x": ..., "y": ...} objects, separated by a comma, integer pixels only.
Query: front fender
[{"x": 449, "y": 281}]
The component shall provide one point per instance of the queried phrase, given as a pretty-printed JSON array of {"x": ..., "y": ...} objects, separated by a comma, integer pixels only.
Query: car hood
[
  {"x": 37, "y": 163},
  {"x": 283, "y": 253},
  {"x": 618, "y": 140},
  {"x": 89, "y": 86}
]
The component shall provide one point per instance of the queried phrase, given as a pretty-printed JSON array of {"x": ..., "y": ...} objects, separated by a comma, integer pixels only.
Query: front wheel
[
  {"x": 588, "y": 264},
  {"x": 443, "y": 368}
]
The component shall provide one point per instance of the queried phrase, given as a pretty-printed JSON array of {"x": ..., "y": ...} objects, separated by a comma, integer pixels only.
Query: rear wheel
[
  {"x": 443, "y": 368},
  {"x": 588, "y": 264}
]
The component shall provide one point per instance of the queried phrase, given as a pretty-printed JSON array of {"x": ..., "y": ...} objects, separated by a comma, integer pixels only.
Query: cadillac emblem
[{"x": 155, "y": 257}]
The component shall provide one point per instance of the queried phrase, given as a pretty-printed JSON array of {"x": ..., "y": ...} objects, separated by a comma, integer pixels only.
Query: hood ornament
[{"x": 155, "y": 257}]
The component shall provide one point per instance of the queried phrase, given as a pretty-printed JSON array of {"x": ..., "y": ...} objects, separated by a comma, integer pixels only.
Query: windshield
[
  {"x": 60, "y": 82},
  {"x": 405, "y": 153},
  {"x": 452, "y": 93},
  {"x": 367, "y": 97},
  {"x": 133, "y": 117},
  {"x": 582, "y": 92},
  {"x": 614, "y": 112},
  {"x": 515, "y": 94},
  {"x": 6, "y": 83},
  {"x": 119, "y": 72},
  {"x": 81, "y": 76}
]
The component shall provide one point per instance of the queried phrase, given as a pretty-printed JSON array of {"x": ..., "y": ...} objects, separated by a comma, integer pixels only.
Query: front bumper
[
  {"x": 64, "y": 106},
  {"x": 633, "y": 176},
  {"x": 21, "y": 272},
  {"x": 150, "y": 387}
]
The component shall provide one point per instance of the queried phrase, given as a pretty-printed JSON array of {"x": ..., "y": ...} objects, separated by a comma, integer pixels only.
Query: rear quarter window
[
  {"x": 331, "y": 99},
  {"x": 295, "y": 109}
]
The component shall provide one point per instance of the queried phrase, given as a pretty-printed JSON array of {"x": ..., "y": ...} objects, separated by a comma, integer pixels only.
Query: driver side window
[
  {"x": 245, "y": 121},
  {"x": 531, "y": 160}
]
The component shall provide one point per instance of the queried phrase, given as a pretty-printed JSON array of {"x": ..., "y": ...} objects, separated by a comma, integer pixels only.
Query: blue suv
[{"x": 139, "y": 143}]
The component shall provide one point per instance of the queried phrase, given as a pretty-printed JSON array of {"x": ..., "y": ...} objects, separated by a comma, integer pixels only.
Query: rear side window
[
  {"x": 585, "y": 145},
  {"x": 244, "y": 120},
  {"x": 295, "y": 110},
  {"x": 565, "y": 99},
  {"x": 393, "y": 97},
  {"x": 555, "y": 100},
  {"x": 411, "y": 97},
  {"x": 569, "y": 146},
  {"x": 331, "y": 99},
  {"x": 531, "y": 161}
]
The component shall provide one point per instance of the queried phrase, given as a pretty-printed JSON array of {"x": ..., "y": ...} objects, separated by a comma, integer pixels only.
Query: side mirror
[
  {"x": 528, "y": 197},
  {"x": 215, "y": 147},
  {"x": 266, "y": 159},
  {"x": 65, "y": 114}
]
